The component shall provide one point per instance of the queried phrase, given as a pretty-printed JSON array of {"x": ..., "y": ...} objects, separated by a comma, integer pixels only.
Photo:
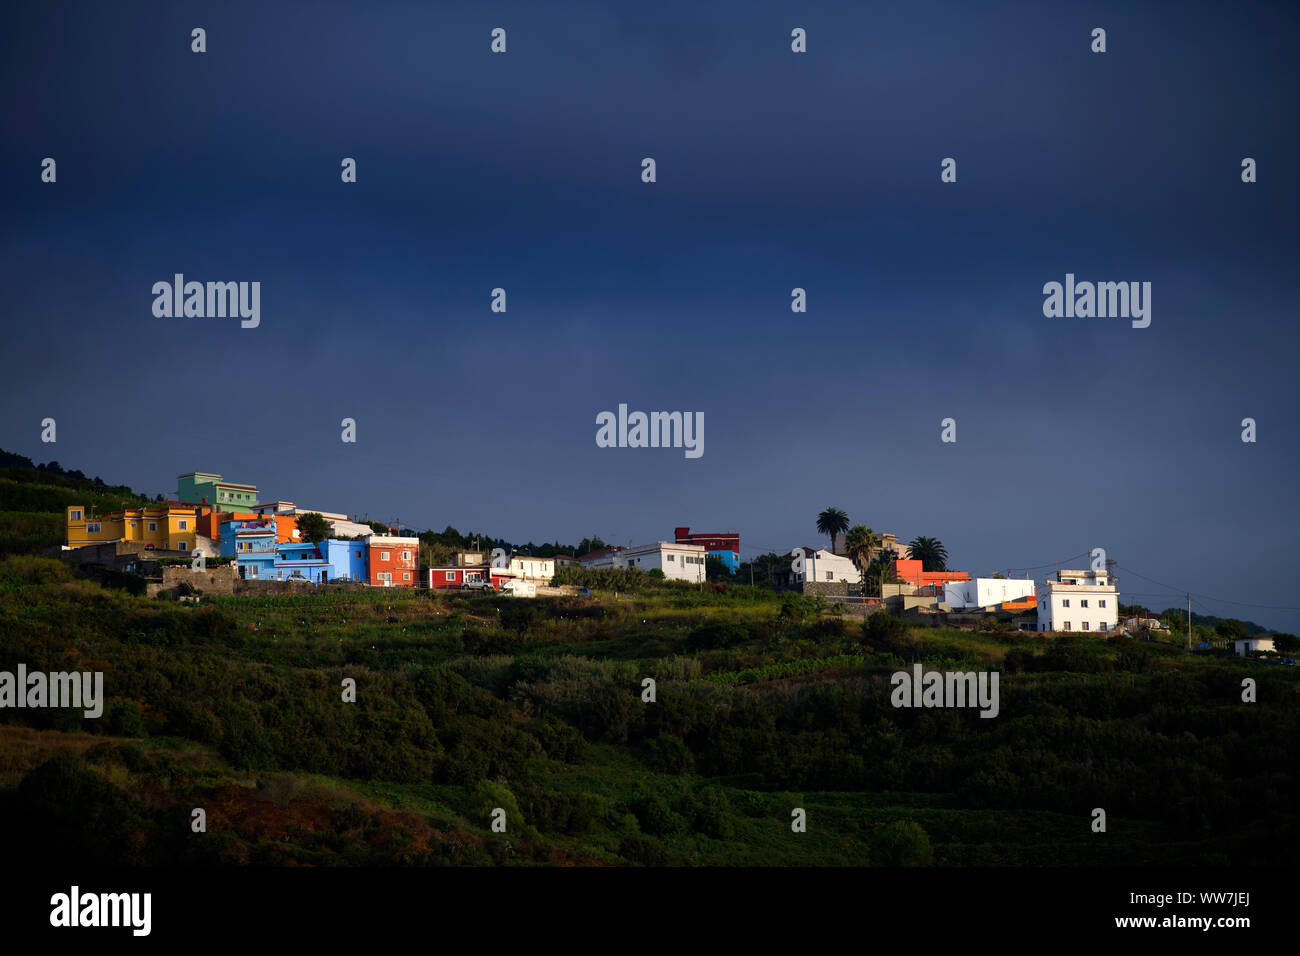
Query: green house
[{"x": 222, "y": 495}]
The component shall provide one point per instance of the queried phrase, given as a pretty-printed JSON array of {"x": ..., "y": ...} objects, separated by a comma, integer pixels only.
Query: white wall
[
  {"x": 1077, "y": 604},
  {"x": 822, "y": 567},
  {"x": 986, "y": 592},
  {"x": 678, "y": 562},
  {"x": 532, "y": 569},
  {"x": 1249, "y": 644}
]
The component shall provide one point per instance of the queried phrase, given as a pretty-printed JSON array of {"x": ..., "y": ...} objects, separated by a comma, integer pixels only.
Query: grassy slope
[{"x": 308, "y": 786}]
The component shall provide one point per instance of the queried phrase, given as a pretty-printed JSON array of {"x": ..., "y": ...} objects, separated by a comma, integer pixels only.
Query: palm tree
[
  {"x": 831, "y": 522},
  {"x": 930, "y": 552},
  {"x": 859, "y": 543}
]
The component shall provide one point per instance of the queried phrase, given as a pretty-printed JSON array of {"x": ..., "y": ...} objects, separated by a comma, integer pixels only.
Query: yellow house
[{"x": 167, "y": 527}]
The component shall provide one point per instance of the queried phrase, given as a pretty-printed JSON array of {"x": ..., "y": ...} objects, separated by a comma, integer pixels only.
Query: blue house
[
  {"x": 328, "y": 560},
  {"x": 301, "y": 562},
  {"x": 252, "y": 545},
  {"x": 347, "y": 559}
]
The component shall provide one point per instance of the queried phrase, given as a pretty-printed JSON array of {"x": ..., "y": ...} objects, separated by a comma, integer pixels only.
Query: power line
[{"x": 1207, "y": 597}]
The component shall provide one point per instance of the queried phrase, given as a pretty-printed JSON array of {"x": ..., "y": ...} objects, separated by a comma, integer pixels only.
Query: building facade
[
  {"x": 173, "y": 526},
  {"x": 822, "y": 567},
  {"x": 339, "y": 524},
  {"x": 198, "y": 486},
  {"x": 525, "y": 567},
  {"x": 392, "y": 561},
  {"x": 1079, "y": 601},
  {"x": 1258, "y": 644},
  {"x": 454, "y": 576},
  {"x": 725, "y": 546},
  {"x": 347, "y": 559},
  {"x": 988, "y": 592},
  {"x": 678, "y": 562},
  {"x": 909, "y": 571},
  {"x": 252, "y": 543}
]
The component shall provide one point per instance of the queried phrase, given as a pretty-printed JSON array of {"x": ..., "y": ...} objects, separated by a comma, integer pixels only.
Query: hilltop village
[{"x": 222, "y": 529}]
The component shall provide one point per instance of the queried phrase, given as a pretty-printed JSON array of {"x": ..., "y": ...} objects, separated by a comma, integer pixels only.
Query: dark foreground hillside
[{"x": 764, "y": 705}]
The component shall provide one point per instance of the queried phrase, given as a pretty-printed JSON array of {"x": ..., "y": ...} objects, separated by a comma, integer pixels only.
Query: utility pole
[{"x": 1189, "y": 621}]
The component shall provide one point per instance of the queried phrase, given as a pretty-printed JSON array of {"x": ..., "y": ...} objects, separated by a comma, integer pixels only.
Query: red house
[{"x": 449, "y": 577}]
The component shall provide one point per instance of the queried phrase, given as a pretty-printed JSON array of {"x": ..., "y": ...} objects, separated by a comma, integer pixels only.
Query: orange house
[
  {"x": 909, "y": 570},
  {"x": 391, "y": 561},
  {"x": 210, "y": 522}
]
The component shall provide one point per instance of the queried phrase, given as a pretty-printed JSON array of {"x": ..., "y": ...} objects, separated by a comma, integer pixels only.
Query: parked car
[
  {"x": 478, "y": 585},
  {"x": 585, "y": 591}
]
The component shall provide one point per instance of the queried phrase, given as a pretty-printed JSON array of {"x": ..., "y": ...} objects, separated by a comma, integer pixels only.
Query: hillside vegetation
[{"x": 764, "y": 704}]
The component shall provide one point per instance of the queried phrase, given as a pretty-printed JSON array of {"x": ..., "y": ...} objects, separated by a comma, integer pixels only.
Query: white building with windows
[
  {"x": 678, "y": 562},
  {"x": 525, "y": 567},
  {"x": 1079, "y": 601},
  {"x": 822, "y": 567},
  {"x": 986, "y": 592}
]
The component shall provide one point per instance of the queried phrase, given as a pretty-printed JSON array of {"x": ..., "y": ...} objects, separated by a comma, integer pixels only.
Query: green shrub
[{"x": 903, "y": 843}]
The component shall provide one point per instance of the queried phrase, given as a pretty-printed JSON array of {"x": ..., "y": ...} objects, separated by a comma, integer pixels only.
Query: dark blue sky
[{"x": 775, "y": 170}]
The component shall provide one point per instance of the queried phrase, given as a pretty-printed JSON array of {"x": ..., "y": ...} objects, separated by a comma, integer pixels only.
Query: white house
[
  {"x": 1245, "y": 646},
  {"x": 525, "y": 567},
  {"x": 822, "y": 567},
  {"x": 1078, "y": 601},
  {"x": 678, "y": 562},
  {"x": 986, "y": 592}
]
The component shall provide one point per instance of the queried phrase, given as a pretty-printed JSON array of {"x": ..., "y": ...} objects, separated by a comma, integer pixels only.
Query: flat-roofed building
[{"x": 1079, "y": 601}]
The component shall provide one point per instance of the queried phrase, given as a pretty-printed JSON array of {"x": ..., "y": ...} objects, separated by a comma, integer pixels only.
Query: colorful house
[
  {"x": 251, "y": 542},
  {"x": 347, "y": 559},
  {"x": 725, "y": 545},
  {"x": 200, "y": 486},
  {"x": 301, "y": 562},
  {"x": 392, "y": 561},
  {"x": 455, "y": 576},
  {"x": 910, "y": 571},
  {"x": 172, "y": 526}
]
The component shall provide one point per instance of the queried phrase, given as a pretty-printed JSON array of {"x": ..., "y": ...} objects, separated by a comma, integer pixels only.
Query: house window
[
  {"x": 92, "y": 526},
  {"x": 830, "y": 575},
  {"x": 1065, "y": 603},
  {"x": 153, "y": 525},
  {"x": 1085, "y": 625},
  {"x": 76, "y": 515},
  {"x": 383, "y": 555},
  {"x": 406, "y": 575},
  {"x": 406, "y": 555},
  {"x": 1084, "y": 603},
  {"x": 672, "y": 557},
  {"x": 182, "y": 525},
  {"x": 451, "y": 575},
  {"x": 180, "y": 546},
  {"x": 1101, "y": 603},
  {"x": 1067, "y": 625}
]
